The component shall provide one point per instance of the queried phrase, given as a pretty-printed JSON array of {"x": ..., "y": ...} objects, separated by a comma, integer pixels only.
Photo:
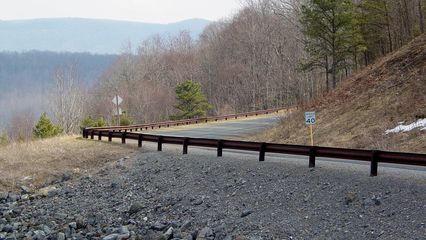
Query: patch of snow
[{"x": 406, "y": 128}]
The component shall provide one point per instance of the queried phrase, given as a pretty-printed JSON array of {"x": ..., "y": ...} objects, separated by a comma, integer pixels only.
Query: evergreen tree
[
  {"x": 333, "y": 36},
  {"x": 45, "y": 128},
  {"x": 191, "y": 101}
]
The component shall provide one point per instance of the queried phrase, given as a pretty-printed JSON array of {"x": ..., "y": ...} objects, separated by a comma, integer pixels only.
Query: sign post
[
  {"x": 117, "y": 100},
  {"x": 310, "y": 120}
]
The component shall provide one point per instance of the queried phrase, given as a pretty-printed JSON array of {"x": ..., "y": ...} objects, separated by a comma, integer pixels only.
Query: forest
[{"x": 272, "y": 53}]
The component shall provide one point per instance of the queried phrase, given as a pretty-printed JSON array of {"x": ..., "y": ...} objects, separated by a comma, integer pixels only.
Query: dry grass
[
  {"x": 41, "y": 163},
  {"x": 357, "y": 114}
]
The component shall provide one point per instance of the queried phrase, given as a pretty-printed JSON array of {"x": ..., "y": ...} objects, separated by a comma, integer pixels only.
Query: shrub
[
  {"x": 125, "y": 120},
  {"x": 4, "y": 139},
  {"x": 45, "y": 128},
  {"x": 89, "y": 122}
]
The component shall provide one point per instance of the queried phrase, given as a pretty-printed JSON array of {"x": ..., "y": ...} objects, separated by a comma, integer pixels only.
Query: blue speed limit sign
[{"x": 310, "y": 118}]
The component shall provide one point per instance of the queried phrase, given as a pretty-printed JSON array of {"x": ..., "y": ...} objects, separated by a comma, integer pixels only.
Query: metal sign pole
[{"x": 118, "y": 110}]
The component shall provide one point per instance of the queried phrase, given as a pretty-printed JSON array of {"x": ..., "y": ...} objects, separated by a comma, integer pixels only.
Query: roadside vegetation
[
  {"x": 362, "y": 111},
  {"x": 44, "y": 162}
]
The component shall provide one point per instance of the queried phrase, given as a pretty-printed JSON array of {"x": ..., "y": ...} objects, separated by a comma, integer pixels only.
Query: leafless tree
[{"x": 68, "y": 98}]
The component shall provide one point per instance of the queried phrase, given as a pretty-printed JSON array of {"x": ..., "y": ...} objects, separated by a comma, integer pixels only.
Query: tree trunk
[{"x": 421, "y": 19}]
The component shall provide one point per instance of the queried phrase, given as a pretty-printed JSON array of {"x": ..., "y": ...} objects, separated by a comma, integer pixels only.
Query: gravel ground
[{"x": 165, "y": 195}]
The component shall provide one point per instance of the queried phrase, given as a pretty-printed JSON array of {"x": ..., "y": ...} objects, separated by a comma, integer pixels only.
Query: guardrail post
[
  {"x": 84, "y": 133},
  {"x": 109, "y": 136},
  {"x": 312, "y": 157},
  {"x": 262, "y": 152},
  {"x": 92, "y": 134},
  {"x": 374, "y": 163},
  {"x": 140, "y": 138},
  {"x": 219, "y": 148},
  {"x": 160, "y": 144},
  {"x": 185, "y": 146},
  {"x": 100, "y": 135},
  {"x": 123, "y": 138}
]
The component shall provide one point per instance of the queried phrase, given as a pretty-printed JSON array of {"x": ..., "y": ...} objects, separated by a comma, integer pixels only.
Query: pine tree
[
  {"x": 45, "y": 128},
  {"x": 333, "y": 36},
  {"x": 191, "y": 101}
]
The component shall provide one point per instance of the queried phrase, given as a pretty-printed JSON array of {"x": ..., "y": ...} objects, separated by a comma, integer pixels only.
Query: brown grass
[
  {"x": 357, "y": 114},
  {"x": 40, "y": 163}
]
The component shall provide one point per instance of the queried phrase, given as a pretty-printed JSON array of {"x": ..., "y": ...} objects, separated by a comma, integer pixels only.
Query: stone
[
  {"x": 169, "y": 233},
  {"x": 185, "y": 225},
  {"x": 7, "y": 228},
  {"x": 111, "y": 237},
  {"x": 245, "y": 213},
  {"x": 135, "y": 208},
  {"x": 3, "y": 196},
  {"x": 157, "y": 226},
  {"x": 25, "y": 190},
  {"x": 61, "y": 236},
  {"x": 73, "y": 225},
  {"x": 350, "y": 197},
  {"x": 205, "y": 234},
  {"x": 39, "y": 235}
]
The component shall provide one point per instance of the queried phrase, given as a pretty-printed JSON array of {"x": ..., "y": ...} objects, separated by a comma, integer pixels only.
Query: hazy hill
[
  {"x": 26, "y": 77},
  {"x": 383, "y": 96},
  {"x": 85, "y": 35}
]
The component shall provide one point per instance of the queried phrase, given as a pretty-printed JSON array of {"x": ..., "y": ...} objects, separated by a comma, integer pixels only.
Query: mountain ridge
[{"x": 98, "y": 36}]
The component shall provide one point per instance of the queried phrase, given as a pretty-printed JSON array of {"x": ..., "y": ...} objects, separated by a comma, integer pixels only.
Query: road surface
[
  {"x": 231, "y": 129},
  {"x": 240, "y": 128}
]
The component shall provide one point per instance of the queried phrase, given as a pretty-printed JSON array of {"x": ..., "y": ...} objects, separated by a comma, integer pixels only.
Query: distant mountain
[
  {"x": 25, "y": 78},
  {"x": 85, "y": 35}
]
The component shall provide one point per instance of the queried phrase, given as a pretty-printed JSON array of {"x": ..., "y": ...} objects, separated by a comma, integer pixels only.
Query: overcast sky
[{"x": 154, "y": 11}]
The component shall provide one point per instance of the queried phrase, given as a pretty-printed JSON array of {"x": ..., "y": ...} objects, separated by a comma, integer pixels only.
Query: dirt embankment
[{"x": 363, "y": 107}]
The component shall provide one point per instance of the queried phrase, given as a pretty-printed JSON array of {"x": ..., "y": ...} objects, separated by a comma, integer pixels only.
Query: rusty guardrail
[
  {"x": 141, "y": 127},
  {"x": 373, "y": 156}
]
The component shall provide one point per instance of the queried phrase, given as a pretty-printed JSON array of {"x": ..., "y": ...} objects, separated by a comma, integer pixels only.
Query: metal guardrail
[
  {"x": 141, "y": 127},
  {"x": 373, "y": 156}
]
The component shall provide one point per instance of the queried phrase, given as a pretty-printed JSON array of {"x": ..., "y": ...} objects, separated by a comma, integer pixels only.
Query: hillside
[
  {"x": 358, "y": 113},
  {"x": 85, "y": 35}
]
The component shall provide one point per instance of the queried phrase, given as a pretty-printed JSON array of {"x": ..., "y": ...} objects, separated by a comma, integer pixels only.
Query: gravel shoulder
[{"x": 166, "y": 195}]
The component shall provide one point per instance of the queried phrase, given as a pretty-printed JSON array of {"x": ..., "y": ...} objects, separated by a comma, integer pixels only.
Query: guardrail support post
[
  {"x": 140, "y": 138},
  {"x": 160, "y": 144},
  {"x": 100, "y": 136},
  {"x": 219, "y": 148},
  {"x": 185, "y": 146},
  {"x": 123, "y": 138},
  {"x": 312, "y": 157},
  {"x": 262, "y": 152},
  {"x": 84, "y": 133},
  {"x": 109, "y": 136},
  {"x": 92, "y": 134},
  {"x": 374, "y": 163}
]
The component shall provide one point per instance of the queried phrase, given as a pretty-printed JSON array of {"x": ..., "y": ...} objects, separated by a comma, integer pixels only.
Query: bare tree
[{"x": 68, "y": 98}]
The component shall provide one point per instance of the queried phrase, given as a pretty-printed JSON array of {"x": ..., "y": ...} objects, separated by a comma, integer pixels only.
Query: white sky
[{"x": 153, "y": 11}]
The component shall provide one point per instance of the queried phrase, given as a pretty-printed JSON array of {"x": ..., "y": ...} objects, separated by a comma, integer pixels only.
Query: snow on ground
[{"x": 421, "y": 123}]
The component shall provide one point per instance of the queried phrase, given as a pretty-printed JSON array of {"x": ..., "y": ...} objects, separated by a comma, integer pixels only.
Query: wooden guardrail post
[
  {"x": 262, "y": 152},
  {"x": 140, "y": 138},
  {"x": 123, "y": 138},
  {"x": 219, "y": 148},
  {"x": 109, "y": 136},
  {"x": 185, "y": 145},
  {"x": 100, "y": 135},
  {"x": 92, "y": 134},
  {"x": 312, "y": 157},
  {"x": 160, "y": 144},
  {"x": 84, "y": 133},
  {"x": 374, "y": 163}
]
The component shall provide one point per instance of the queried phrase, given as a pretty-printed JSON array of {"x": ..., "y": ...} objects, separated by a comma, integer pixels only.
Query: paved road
[
  {"x": 237, "y": 129},
  {"x": 231, "y": 129}
]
